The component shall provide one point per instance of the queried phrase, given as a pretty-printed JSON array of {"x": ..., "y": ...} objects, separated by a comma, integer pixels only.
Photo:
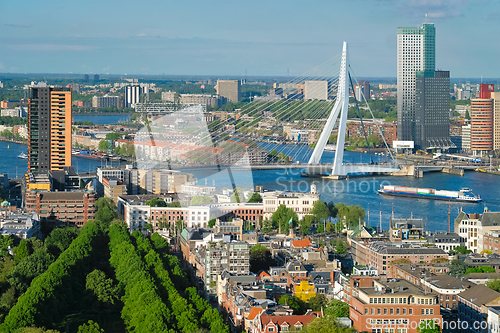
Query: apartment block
[
  {"x": 473, "y": 227},
  {"x": 301, "y": 203},
  {"x": 49, "y": 128},
  {"x": 233, "y": 257},
  {"x": 380, "y": 254},
  {"x": 229, "y": 89},
  {"x": 114, "y": 188},
  {"x": 389, "y": 305},
  {"x": 73, "y": 208}
]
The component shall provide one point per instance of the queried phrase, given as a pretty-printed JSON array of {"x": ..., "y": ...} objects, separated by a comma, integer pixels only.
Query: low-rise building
[
  {"x": 22, "y": 226},
  {"x": 114, "y": 188},
  {"x": 379, "y": 254},
  {"x": 391, "y": 305},
  {"x": 473, "y": 307},
  {"x": 301, "y": 203},
  {"x": 445, "y": 240},
  {"x": 473, "y": 227},
  {"x": 73, "y": 208}
]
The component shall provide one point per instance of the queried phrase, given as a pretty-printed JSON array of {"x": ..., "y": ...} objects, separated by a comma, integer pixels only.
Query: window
[
  {"x": 385, "y": 310},
  {"x": 410, "y": 311},
  {"x": 270, "y": 329}
]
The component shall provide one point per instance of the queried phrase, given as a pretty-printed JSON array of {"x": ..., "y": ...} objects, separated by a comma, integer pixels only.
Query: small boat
[
  {"x": 23, "y": 156},
  {"x": 8, "y": 147}
]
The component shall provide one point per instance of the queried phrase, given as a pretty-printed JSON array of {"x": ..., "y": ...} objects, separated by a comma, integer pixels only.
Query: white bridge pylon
[{"x": 342, "y": 104}]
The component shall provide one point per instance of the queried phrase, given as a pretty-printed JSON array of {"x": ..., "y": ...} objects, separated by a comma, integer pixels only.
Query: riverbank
[
  {"x": 101, "y": 113},
  {"x": 13, "y": 141}
]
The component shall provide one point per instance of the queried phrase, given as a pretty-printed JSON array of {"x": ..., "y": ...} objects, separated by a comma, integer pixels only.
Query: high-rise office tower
[
  {"x": 423, "y": 101},
  {"x": 132, "y": 95},
  {"x": 365, "y": 86},
  {"x": 485, "y": 120},
  {"x": 49, "y": 128},
  {"x": 229, "y": 89}
]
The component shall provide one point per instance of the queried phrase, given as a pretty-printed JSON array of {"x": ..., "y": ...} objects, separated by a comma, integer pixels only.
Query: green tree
[
  {"x": 305, "y": 224},
  {"x": 494, "y": 284},
  {"x": 254, "y": 198},
  {"x": 90, "y": 327},
  {"x": 457, "y": 268},
  {"x": 337, "y": 308},
  {"x": 236, "y": 196},
  {"x": 320, "y": 229},
  {"x": 467, "y": 115},
  {"x": 428, "y": 326},
  {"x": 61, "y": 238},
  {"x": 341, "y": 247},
  {"x": 6, "y": 242},
  {"x": 211, "y": 222},
  {"x": 22, "y": 250},
  {"x": 329, "y": 227},
  {"x": 460, "y": 250},
  {"x": 480, "y": 269},
  {"x": 106, "y": 210},
  {"x": 295, "y": 303},
  {"x": 114, "y": 136},
  {"x": 318, "y": 302},
  {"x": 283, "y": 216},
  {"x": 260, "y": 258},
  {"x": 350, "y": 214},
  {"x": 101, "y": 287},
  {"x": 104, "y": 145},
  {"x": 325, "y": 324},
  {"x": 156, "y": 202},
  {"x": 30, "y": 267},
  {"x": 320, "y": 211},
  {"x": 8, "y": 298}
]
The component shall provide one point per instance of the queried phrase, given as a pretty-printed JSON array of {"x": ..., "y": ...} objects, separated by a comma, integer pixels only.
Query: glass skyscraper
[{"x": 423, "y": 93}]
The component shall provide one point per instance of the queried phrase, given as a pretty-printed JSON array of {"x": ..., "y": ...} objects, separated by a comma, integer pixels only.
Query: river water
[
  {"x": 103, "y": 119},
  {"x": 354, "y": 191}
]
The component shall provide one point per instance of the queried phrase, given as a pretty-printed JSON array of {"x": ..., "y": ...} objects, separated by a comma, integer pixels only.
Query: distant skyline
[{"x": 229, "y": 38}]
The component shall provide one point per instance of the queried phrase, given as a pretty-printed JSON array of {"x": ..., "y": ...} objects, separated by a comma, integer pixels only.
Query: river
[
  {"x": 103, "y": 119},
  {"x": 354, "y": 191}
]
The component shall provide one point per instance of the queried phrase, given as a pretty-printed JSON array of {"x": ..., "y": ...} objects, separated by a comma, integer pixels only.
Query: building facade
[
  {"x": 132, "y": 95},
  {"x": 74, "y": 208},
  {"x": 422, "y": 97},
  {"x": 481, "y": 135},
  {"x": 229, "y": 89},
  {"x": 49, "y": 128}
]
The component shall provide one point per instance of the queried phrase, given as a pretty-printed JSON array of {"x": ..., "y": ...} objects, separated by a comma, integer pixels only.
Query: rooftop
[
  {"x": 479, "y": 295},
  {"x": 394, "y": 287}
]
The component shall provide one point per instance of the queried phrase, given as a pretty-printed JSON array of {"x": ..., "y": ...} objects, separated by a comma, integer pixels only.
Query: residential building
[
  {"x": 473, "y": 307},
  {"x": 473, "y": 227},
  {"x": 316, "y": 90},
  {"x": 491, "y": 241},
  {"x": 234, "y": 257},
  {"x": 197, "y": 190},
  {"x": 106, "y": 101},
  {"x": 423, "y": 93},
  {"x": 445, "y": 240},
  {"x": 476, "y": 260},
  {"x": 49, "y": 128},
  {"x": 466, "y": 129},
  {"x": 18, "y": 111},
  {"x": 132, "y": 95},
  {"x": 365, "y": 89},
  {"x": 379, "y": 254},
  {"x": 114, "y": 188},
  {"x": 284, "y": 323},
  {"x": 74, "y": 208},
  {"x": 203, "y": 99},
  {"x": 229, "y": 89},
  {"x": 411, "y": 229},
  {"x": 389, "y": 305},
  {"x": 376, "y": 127},
  {"x": 481, "y": 134}
]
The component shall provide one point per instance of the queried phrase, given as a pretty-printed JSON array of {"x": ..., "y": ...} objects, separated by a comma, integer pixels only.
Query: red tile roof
[
  {"x": 290, "y": 320},
  {"x": 254, "y": 311},
  {"x": 302, "y": 243}
]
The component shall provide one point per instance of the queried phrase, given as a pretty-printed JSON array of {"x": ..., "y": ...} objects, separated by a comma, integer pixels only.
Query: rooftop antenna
[{"x": 425, "y": 17}]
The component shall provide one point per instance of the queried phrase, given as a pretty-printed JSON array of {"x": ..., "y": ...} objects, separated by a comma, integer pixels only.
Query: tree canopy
[{"x": 282, "y": 216}]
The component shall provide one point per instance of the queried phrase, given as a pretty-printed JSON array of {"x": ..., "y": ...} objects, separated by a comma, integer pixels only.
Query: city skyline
[{"x": 262, "y": 39}]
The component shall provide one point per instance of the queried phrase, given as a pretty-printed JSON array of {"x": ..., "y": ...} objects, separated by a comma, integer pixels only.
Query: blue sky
[{"x": 227, "y": 37}]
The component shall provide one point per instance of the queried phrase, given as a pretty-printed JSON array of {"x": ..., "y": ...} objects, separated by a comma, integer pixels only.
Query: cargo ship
[
  {"x": 91, "y": 155},
  {"x": 464, "y": 195}
]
